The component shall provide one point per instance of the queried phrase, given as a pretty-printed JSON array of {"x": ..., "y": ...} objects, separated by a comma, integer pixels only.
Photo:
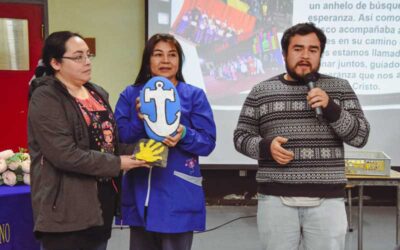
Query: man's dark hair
[
  {"x": 145, "y": 72},
  {"x": 302, "y": 29},
  {"x": 54, "y": 47}
]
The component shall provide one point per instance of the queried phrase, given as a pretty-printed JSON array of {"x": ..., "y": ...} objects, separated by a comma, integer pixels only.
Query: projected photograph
[
  {"x": 231, "y": 45},
  {"x": 235, "y": 43}
]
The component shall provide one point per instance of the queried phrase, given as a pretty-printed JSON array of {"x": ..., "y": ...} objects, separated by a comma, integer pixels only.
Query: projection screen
[{"x": 232, "y": 45}]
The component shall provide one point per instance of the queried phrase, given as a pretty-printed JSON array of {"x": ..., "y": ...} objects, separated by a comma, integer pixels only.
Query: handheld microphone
[{"x": 310, "y": 79}]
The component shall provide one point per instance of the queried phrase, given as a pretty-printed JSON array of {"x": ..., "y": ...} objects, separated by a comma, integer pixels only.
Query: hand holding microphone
[{"x": 317, "y": 98}]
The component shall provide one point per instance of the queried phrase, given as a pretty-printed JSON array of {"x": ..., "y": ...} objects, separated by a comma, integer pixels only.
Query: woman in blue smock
[{"x": 163, "y": 206}]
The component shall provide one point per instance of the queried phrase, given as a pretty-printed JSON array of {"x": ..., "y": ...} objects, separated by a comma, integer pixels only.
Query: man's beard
[{"x": 297, "y": 77}]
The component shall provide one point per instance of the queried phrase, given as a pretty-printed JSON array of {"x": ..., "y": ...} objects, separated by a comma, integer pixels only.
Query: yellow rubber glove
[{"x": 150, "y": 152}]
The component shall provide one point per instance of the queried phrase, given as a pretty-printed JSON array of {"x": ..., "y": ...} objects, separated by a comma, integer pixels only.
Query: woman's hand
[
  {"x": 128, "y": 163},
  {"x": 138, "y": 105},
  {"x": 171, "y": 141}
]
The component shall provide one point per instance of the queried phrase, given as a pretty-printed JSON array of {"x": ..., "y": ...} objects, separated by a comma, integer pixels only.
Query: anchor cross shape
[{"x": 160, "y": 126}]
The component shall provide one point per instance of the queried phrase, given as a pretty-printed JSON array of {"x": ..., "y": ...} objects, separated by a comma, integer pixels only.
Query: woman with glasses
[
  {"x": 163, "y": 206},
  {"x": 74, "y": 151}
]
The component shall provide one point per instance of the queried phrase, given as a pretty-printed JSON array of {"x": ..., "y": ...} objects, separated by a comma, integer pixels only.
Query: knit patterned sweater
[{"x": 277, "y": 107}]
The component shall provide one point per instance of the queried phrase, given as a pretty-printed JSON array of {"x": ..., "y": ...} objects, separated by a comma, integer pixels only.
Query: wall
[{"x": 119, "y": 29}]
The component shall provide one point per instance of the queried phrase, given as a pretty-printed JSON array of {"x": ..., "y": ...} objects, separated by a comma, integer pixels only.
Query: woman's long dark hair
[{"x": 145, "y": 72}]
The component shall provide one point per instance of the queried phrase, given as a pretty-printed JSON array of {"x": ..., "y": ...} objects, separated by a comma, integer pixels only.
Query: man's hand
[
  {"x": 279, "y": 154},
  {"x": 317, "y": 98}
]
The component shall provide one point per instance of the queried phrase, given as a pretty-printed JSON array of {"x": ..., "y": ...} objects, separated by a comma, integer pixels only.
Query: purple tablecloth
[{"x": 16, "y": 223}]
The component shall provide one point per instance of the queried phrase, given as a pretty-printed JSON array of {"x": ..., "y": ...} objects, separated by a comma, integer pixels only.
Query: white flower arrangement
[
  {"x": 3, "y": 165},
  {"x": 14, "y": 167}
]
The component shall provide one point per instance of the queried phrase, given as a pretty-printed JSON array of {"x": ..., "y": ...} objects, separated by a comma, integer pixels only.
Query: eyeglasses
[{"x": 80, "y": 59}]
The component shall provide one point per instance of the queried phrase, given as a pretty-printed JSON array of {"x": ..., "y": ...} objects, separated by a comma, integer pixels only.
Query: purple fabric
[
  {"x": 16, "y": 222},
  {"x": 15, "y": 190}
]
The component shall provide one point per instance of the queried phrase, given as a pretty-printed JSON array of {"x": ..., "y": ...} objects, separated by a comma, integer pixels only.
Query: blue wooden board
[{"x": 161, "y": 108}]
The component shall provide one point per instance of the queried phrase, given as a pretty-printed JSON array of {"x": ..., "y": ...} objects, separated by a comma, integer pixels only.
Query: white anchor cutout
[{"x": 161, "y": 127}]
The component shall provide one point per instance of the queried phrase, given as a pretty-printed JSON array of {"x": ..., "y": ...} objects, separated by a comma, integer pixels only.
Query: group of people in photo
[
  {"x": 237, "y": 44},
  {"x": 85, "y": 176},
  {"x": 199, "y": 28},
  {"x": 232, "y": 70}
]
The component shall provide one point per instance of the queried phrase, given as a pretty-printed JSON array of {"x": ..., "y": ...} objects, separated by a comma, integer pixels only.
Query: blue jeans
[{"x": 282, "y": 227}]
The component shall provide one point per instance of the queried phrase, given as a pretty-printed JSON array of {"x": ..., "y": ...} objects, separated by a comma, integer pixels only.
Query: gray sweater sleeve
[
  {"x": 247, "y": 137},
  {"x": 351, "y": 126}
]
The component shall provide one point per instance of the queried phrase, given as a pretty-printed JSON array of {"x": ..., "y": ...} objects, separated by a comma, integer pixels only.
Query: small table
[
  {"x": 16, "y": 221},
  {"x": 364, "y": 180}
]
